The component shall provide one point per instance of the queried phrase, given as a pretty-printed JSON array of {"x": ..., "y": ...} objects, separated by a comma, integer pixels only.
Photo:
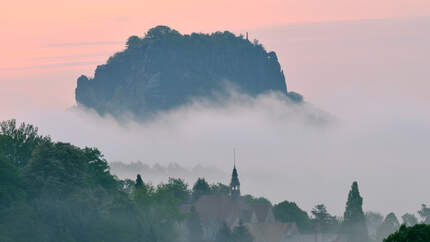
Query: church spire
[{"x": 234, "y": 184}]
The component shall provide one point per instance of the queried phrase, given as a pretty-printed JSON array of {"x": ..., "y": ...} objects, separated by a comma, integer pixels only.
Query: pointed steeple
[{"x": 234, "y": 184}]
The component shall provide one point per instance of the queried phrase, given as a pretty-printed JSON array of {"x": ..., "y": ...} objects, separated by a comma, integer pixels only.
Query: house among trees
[{"x": 230, "y": 209}]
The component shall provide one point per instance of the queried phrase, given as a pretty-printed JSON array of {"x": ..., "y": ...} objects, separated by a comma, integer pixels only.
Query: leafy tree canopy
[
  {"x": 417, "y": 233},
  {"x": 289, "y": 212},
  {"x": 323, "y": 221},
  {"x": 200, "y": 188},
  {"x": 220, "y": 188},
  {"x": 55, "y": 191},
  {"x": 255, "y": 200},
  {"x": 19, "y": 141}
]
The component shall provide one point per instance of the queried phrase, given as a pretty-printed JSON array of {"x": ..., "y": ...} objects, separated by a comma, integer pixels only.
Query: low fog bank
[
  {"x": 285, "y": 151},
  {"x": 365, "y": 66},
  {"x": 372, "y": 76},
  {"x": 156, "y": 174}
]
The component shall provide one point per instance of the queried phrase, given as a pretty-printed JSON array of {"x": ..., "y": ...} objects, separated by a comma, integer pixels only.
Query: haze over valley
[
  {"x": 215, "y": 121},
  {"x": 364, "y": 117}
]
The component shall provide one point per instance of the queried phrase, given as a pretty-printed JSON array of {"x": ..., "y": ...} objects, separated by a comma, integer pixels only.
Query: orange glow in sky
[
  {"x": 364, "y": 62},
  {"x": 49, "y": 36},
  {"x": 27, "y": 28}
]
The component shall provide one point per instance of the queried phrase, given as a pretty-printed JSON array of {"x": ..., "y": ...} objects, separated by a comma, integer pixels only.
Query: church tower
[{"x": 235, "y": 184}]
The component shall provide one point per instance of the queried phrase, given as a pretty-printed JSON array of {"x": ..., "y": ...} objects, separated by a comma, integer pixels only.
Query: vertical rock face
[{"x": 166, "y": 69}]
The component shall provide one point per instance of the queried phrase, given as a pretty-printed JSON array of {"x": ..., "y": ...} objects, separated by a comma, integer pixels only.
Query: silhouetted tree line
[
  {"x": 239, "y": 234},
  {"x": 416, "y": 233},
  {"x": 54, "y": 191},
  {"x": 165, "y": 69}
]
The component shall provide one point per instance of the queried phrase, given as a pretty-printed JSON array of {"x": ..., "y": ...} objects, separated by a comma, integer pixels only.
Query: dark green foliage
[
  {"x": 161, "y": 212},
  {"x": 255, "y": 200},
  {"x": 389, "y": 226},
  {"x": 289, "y": 212},
  {"x": 139, "y": 182},
  {"x": 177, "y": 188},
  {"x": 166, "y": 69},
  {"x": 239, "y": 234},
  {"x": 200, "y": 188},
  {"x": 11, "y": 185},
  {"x": 60, "y": 169},
  {"x": 127, "y": 185},
  {"x": 417, "y": 233},
  {"x": 18, "y": 142},
  {"x": 323, "y": 221},
  {"x": 354, "y": 223},
  {"x": 220, "y": 188},
  {"x": 53, "y": 191},
  {"x": 160, "y": 208},
  {"x": 194, "y": 226},
  {"x": 98, "y": 169}
]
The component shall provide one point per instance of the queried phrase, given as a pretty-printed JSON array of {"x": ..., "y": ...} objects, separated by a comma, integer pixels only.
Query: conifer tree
[
  {"x": 354, "y": 225},
  {"x": 139, "y": 181},
  {"x": 142, "y": 192}
]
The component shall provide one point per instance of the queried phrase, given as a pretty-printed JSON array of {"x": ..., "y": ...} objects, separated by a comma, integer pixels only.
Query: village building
[{"x": 218, "y": 209}]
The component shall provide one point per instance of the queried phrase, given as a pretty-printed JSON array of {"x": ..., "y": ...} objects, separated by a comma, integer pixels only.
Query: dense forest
[
  {"x": 55, "y": 191},
  {"x": 165, "y": 69}
]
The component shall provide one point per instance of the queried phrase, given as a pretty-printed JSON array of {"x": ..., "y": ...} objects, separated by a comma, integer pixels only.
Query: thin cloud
[
  {"x": 79, "y": 44},
  {"x": 51, "y": 66}
]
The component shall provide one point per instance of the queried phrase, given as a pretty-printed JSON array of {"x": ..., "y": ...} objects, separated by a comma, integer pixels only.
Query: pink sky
[
  {"x": 48, "y": 38},
  {"x": 58, "y": 40},
  {"x": 31, "y": 29},
  {"x": 373, "y": 74}
]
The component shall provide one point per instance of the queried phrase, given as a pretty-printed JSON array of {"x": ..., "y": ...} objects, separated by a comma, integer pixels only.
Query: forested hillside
[
  {"x": 165, "y": 69},
  {"x": 54, "y": 191}
]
